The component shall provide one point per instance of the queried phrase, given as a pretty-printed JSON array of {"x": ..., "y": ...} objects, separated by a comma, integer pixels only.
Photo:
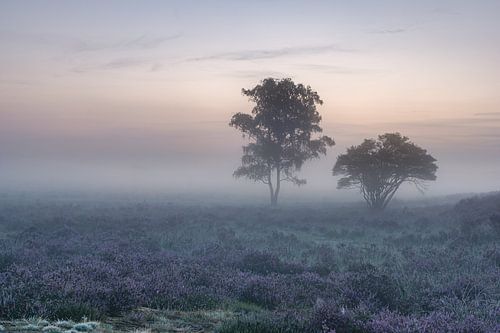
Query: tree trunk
[
  {"x": 391, "y": 195},
  {"x": 278, "y": 185},
  {"x": 376, "y": 204},
  {"x": 271, "y": 190},
  {"x": 274, "y": 192},
  {"x": 274, "y": 201}
]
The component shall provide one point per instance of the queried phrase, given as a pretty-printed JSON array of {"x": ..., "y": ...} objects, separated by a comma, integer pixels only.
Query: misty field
[{"x": 114, "y": 266}]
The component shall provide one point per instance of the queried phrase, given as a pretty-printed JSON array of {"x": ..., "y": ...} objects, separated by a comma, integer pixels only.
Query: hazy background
[{"x": 137, "y": 95}]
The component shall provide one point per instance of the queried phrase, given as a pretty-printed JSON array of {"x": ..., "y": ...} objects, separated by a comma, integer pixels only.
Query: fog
[
  {"x": 199, "y": 159},
  {"x": 51, "y": 153},
  {"x": 140, "y": 99}
]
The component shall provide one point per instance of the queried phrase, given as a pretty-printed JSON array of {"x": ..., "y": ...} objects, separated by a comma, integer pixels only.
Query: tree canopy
[
  {"x": 281, "y": 128},
  {"x": 379, "y": 167}
]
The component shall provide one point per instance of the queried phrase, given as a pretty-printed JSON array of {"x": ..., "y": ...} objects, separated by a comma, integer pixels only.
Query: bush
[
  {"x": 260, "y": 291},
  {"x": 388, "y": 322},
  {"x": 368, "y": 284},
  {"x": 495, "y": 223},
  {"x": 329, "y": 316},
  {"x": 266, "y": 263},
  {"x": 266, "y": 323},
  {"x": 76, "y": 312},
  {"x": 6, "y": 259}
]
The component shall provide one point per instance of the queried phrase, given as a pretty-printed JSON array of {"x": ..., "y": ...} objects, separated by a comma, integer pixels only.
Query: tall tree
[
  {"x": 281, "y": 128},
  {"x": 379, "y": 167}
]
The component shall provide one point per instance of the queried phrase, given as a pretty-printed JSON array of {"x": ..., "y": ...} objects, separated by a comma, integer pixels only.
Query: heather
[{"x": 242, "y": 268}]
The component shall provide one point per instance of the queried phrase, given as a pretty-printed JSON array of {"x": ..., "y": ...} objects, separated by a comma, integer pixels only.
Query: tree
[
  {"x": 379, "y": 167},
  {"x": 281, "y": 128}
]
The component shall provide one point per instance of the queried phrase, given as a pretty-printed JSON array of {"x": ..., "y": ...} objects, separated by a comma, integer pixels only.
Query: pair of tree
[{"x": 282, "y": 128}]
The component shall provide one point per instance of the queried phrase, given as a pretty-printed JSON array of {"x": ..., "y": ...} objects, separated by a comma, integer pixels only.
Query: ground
[{"x": 160, "y": 266}]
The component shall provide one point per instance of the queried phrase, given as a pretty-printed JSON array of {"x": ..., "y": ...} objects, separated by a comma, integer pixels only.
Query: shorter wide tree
[
  {"x": 281, "y": 128},
  {"x": 379, "y": 167}
]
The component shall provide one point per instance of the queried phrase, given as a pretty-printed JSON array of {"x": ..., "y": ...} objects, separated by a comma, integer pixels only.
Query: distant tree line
[{"x": 284, "y": 132}]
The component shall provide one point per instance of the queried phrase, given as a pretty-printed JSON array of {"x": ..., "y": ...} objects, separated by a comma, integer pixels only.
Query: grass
[{"x": 174, "y": 268}]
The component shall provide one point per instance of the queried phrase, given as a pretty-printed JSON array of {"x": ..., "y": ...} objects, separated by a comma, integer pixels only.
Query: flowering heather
[{"x": 308, "y": 269}]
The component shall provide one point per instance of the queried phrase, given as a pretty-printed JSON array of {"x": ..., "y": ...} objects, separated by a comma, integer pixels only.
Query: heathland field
[{"x": 116, "y": 266}]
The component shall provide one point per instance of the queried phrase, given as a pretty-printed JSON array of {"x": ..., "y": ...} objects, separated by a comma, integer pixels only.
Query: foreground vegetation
[{"x": 170, "y": 267}]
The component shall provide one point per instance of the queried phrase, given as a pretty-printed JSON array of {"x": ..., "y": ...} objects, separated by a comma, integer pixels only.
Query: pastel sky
[{"x": 139, "y": 93}]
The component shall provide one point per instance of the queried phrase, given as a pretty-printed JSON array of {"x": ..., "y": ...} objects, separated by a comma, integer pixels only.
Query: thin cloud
[
  {"x": 255, "y": 74},
  {"x": 487, "y": 114},
  {"x": 404, "y": 28},
  {"x": 272, "y": 53},
  {"x": 17, "y": 82},
  {"x": 141, "y": 42},
  {"x": 116, "y": 64},
  {"x": 35, "y": 38},
  {"x": 479, "y": 127},
  {"x": 80, "y": 45},
  {"x": 457, "y": 123},
  {"x": 330, "y": 69},
  {"x": 390, "y": 31},
  {"x": 122, "y": 63},
  {"x": 445, "y": 11}
]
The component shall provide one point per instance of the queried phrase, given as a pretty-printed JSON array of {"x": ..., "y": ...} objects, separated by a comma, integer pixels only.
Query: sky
[{"x": 138, "y": 94}]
